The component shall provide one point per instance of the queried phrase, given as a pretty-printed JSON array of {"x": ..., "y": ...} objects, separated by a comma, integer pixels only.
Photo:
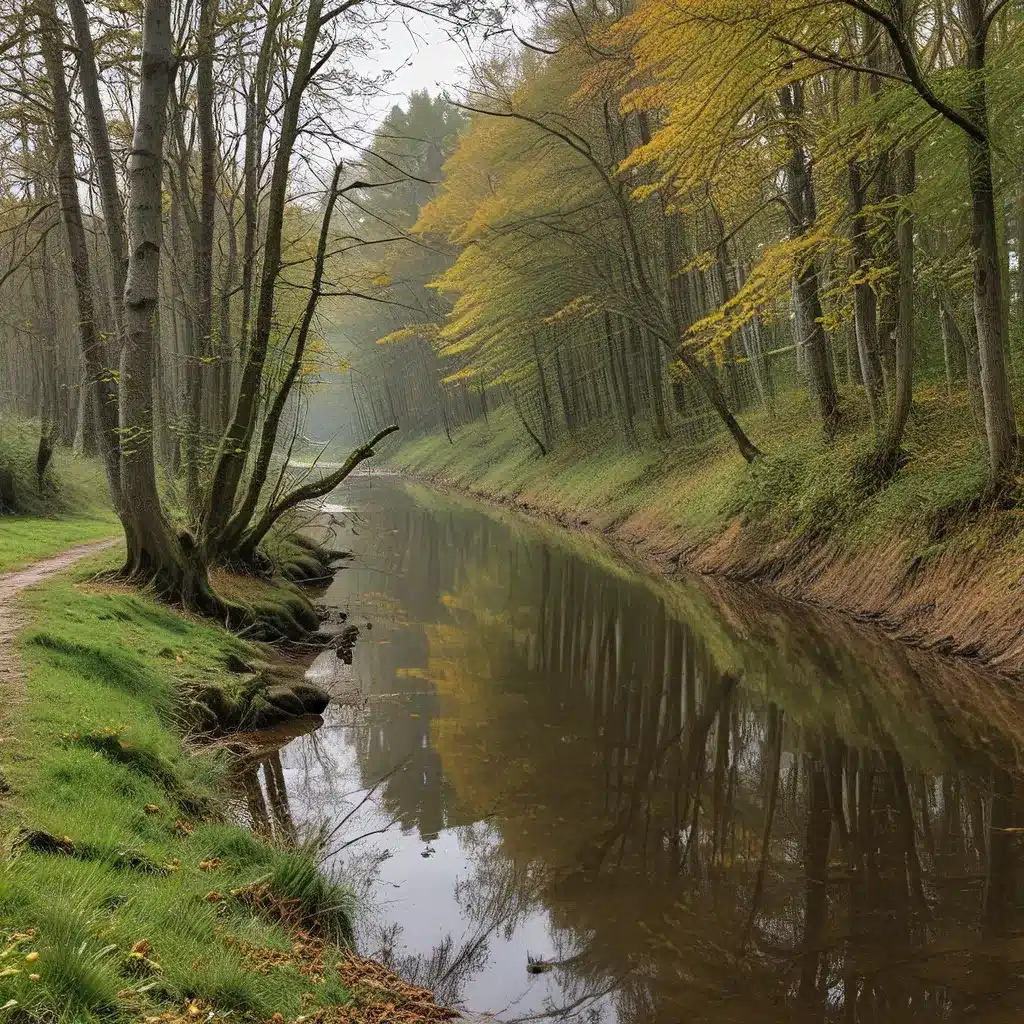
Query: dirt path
[{"x": 11, "y": 584}]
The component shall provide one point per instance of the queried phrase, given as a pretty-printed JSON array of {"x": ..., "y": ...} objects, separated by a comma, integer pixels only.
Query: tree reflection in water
[{"x": 720, "y": 810}]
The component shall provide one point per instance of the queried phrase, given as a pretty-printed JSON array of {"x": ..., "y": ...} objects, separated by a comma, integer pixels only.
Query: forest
[
  {"x": 651, "y": 229},
  {"x": 303, "y": 302},
  {"x": 677, "y": 224}
]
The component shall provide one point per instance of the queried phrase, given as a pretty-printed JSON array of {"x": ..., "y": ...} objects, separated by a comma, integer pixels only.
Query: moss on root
[{"x": 272, "y": 609}]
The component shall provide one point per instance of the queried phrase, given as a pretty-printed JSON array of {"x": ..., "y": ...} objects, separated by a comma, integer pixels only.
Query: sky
[{"x": 421, "y": 56}]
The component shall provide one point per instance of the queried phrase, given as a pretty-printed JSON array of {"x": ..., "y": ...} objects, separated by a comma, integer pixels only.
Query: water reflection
[{"x": 675, "y": 802}]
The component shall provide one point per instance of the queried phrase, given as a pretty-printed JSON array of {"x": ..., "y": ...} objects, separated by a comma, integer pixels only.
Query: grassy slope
[
  {"x": 71, "y": 508},
  {"x": 102, "y": 674},
  {"x": 801, "y": 486}
]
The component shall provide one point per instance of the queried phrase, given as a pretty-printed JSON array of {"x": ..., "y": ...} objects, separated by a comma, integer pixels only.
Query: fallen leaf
[
  {"x": 142, "y": 947},
  {"x": 151, "y": 809},
  {"x": 32, "y": 957},
  {"x": 213, "y": 897},
  {"x": 211, "y": 865},
  {"x": 33, "y": 977}
]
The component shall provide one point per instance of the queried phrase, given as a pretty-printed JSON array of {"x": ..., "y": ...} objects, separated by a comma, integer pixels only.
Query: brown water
[{"x": 693, "y": 804}]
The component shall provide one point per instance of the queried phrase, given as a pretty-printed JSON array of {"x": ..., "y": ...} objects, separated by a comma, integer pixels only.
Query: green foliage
[
  {"x": 320, "y": 903},
  {"x": 70, "y": 484}
]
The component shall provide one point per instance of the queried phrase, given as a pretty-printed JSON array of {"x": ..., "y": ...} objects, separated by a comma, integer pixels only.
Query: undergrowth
[{"x": 802, "y": 489}]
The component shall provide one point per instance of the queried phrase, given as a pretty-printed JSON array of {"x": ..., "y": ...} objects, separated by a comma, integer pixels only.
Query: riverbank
[
  {"x": 128, "y": 892},
  {"x": 922, "y": 557}
]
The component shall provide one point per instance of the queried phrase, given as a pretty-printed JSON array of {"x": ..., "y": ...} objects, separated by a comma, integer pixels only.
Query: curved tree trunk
[
  {"x": 239, "y": 523},
  {"x": 308, "y": 492}
]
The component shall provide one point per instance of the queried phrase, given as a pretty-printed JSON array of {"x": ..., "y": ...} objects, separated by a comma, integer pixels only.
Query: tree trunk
[
  {"x": 545, "y": 399},
  {"x": 240, "y": 522},
  {"x": 888, "y": 256},
  {"x": 154, "y": 552},
  {"x": 864, "y": 302},
  {"x": 1019, "y": 246},
  {"x": 78, "y": 252},
  {"x": 889, "y": 455},
  {"x": 202, "y": 241},
  {"x": 308, "y": 492},
  {"x": 968, "y": 348},
  {"x": 713, "y": 391},
  {"x": 255, "y": 120},
  {"x": 225, "y": 346},
  {"x": 99, "y": 141},
  {"x": 234, "y": 449},
  {"x": 1000, "y": 423},
  {"x": 802, "y": 213}
]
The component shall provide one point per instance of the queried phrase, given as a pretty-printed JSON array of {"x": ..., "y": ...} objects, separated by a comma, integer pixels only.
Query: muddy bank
[{"x": 963, "y": 601}]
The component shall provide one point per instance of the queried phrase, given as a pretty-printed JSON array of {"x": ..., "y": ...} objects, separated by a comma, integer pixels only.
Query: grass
[
  {"x": 24, "y": 539},
  {"x": 71, "y": 507},
  {"x": 802, "y": 487},
  {"x": 93, "y": 753}
]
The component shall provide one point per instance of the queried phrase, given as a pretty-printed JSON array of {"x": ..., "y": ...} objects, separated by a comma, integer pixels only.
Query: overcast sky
[{"x": 420, "y": 55}]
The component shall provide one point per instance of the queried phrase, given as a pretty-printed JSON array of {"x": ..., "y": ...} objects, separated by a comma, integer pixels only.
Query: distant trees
[
  {"x": 661, "y": 218},
  {"x": 403, "y": 378}
]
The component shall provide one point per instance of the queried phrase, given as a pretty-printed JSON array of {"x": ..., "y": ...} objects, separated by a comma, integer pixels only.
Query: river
[{"x": 586, "y": 793}]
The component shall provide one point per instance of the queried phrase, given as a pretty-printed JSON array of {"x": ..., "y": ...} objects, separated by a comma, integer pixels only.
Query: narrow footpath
[{"x": 12, "y": 583}]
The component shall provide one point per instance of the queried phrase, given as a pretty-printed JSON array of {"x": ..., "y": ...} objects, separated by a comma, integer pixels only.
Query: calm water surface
[{"x": 690, "y": 804}]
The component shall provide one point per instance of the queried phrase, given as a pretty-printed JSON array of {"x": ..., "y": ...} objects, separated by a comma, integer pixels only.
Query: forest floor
[
  {"x": 922, "y": 557},
  {"x": 127, "y": 892}
]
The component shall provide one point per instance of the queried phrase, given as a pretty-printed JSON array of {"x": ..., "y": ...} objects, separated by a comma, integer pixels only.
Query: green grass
[
  {"x": 91, "y": 750},
  {"x": 24, "y": 539},
  {"x": 802, "y": 487},
  {"x": 71, "y": 507}
]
